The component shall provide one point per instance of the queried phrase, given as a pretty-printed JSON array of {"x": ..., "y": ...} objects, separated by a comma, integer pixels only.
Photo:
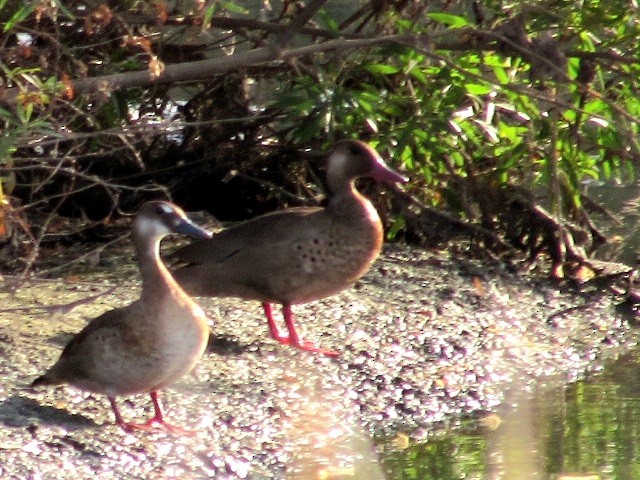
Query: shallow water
[{"x": 588, "y": 429}]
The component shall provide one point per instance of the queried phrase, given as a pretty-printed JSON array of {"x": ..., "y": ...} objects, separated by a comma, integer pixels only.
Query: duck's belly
[{"x": 163, "y": 357}]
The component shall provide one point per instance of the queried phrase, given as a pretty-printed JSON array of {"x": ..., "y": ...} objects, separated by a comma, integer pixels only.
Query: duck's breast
[{"x": 182, "y": 334}]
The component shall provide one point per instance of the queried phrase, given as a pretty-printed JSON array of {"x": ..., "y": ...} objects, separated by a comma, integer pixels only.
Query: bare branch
[
  {"x": 299, "y": 20},
  {"x": 199, "y": 70},
  {"x": 237, "y": 24}
]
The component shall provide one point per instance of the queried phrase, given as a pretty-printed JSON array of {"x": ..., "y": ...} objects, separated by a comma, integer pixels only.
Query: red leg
[
  {"x": 119, "y": 420},
  {"x": 158, "y": 418},
  {"x": 150, "y": 425},
  {"x": 273, "y": 328},
  {"x": 294, "y": 338}
]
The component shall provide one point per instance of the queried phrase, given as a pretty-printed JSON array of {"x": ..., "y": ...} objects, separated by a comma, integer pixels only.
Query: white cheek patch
[
  {"x": 150, "y": 228},
  {"x": 337, "y": 164}
]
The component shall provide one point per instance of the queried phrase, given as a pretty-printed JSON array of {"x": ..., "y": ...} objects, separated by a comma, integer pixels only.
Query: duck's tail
[{"x": 43, "y": 380}]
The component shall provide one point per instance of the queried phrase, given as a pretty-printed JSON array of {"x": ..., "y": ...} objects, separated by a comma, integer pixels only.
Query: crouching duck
[
  {"x": 147, "y": 345},
  {"x": 295, "y": 255}
]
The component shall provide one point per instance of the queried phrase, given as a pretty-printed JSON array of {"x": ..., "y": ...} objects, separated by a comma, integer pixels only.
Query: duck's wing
[{"x": 263, "y": 235}]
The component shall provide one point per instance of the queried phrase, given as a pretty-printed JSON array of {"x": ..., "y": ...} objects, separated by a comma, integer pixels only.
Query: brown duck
[
  {"x": 147, "y": 345},
  {"x": 295, "y": 255}
]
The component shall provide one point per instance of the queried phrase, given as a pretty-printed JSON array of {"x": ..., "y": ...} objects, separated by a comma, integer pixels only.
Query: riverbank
[{"x": 425, "y": 339}]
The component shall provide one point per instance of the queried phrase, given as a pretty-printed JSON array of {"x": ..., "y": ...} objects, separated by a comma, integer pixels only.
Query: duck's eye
[
  {"x": 355, "y": 149},
  {"x": 162, "y": 210}
]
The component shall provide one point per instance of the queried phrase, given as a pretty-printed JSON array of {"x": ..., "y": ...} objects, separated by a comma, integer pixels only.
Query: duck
[
  {"x": 147, "y": 345},
  {"x": 295, "y": 255}
]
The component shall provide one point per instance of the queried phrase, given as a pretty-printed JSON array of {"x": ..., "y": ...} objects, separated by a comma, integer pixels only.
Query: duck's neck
[
  {"x": 155, "y": 276},
  {"x": 345, "y": 201}
]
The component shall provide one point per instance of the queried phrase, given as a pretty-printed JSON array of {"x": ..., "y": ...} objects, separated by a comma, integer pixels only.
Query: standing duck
[
  {"x": 147, "y": 345},
  {"x": 295, "y": 255}
]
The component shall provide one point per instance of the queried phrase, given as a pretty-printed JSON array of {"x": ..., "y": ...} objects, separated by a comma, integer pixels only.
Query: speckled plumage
[
  {"x": 295, "y": 255},
  {"x": 147, "y": 345}
]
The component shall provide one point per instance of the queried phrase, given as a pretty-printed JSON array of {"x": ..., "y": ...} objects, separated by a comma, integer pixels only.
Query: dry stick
[
  {"x": 483, "y": 232},
  {"x": 60, "y": 308},
  {"x": 301, "y": 18},
  {"x": 565, "y": 240},
  {"x": 147, "y": 129},
  {"x": 235, "y": 24},
  {"x": 93, "y": 180},
  {"x": 35, "y": 251},
  {"x": 565, "y": 311},
  {"x": 84, "y": 256}
]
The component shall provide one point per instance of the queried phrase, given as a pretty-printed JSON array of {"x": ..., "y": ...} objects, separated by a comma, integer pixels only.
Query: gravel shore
[{"x": 425, "y": 339}]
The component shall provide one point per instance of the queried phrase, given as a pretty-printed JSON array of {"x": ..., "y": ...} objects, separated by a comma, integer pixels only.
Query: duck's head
[
  {"x": 157, "y": 219},
  {"x": 352, "y": 159}
]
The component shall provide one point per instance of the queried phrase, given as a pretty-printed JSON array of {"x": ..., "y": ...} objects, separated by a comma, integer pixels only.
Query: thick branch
[{"x": 199, "y": 70}]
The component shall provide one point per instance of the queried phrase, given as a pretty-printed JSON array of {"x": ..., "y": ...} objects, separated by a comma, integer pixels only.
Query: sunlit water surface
[{"x": 589, "y": 429}]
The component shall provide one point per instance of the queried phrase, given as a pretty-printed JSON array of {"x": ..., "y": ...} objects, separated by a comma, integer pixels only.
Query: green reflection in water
[
  {"x": 586, "y": 430},
  {"x": 452, "y": 457}
]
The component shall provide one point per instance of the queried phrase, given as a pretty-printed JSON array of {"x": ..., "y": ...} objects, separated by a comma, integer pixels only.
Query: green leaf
[
  {"x": 328, "y": 22},
  {"x": 20, "y": 15},
  {"x": 6, "y": 115},
  {"x": 418, "y": 75},
  {"x": 397, "y": 226},
  {"x": 496, "y": 61},
  {"x": 365, "y": 105},
  {"x": 596, "y": 106},
  {"x": 631, "y": 169},
  {"x": 382, "y": 69},
  {"x": 208, "y": 14},
  {"x": 407, "y": 157},
  {"x": 587, "y": 41},
  {"x": 295, "y": 101},
  {"x": 501, "y": 75},
  {"x": 65, "y": 10},
  {"x": 233, "y": 8},
  {"x": 308, "y": 130},
  {"x": 454, "y": 21},
  {"x": 478, "y": 88},
  {"x": 573, "y": 66}
]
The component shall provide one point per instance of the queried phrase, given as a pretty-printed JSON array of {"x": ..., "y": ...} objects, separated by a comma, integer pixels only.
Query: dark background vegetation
[{"x": 500, "y": 112}]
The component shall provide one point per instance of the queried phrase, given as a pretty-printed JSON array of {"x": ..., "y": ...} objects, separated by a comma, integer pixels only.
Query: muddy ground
[{"x": 425, "y": 339}]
